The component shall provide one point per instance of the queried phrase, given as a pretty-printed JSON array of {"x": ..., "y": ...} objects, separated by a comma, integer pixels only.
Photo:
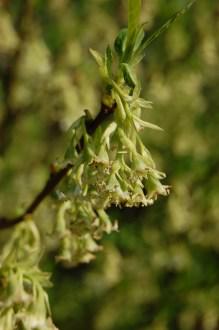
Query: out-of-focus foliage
[{"x": 161, "y": 271}]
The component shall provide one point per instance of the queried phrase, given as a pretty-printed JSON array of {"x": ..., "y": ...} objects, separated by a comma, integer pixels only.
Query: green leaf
[
  {"x": 101, "y": 61},
  {"x": 139, "y": 37},
  {"x": 144, "y": 104},
  {"x": 146, "y": 124},
  {"x": 128, "y": 75},
  {"x": 147, "y": 41},
  {"x": 107, "y": 133},
  {"x": 109, "y": 60},
  {"x": 134, "y": 11},
  {"x": 120, "y": 108},
  {"x": 97, "y": 56},
  {"x": 119, "y": 44}
]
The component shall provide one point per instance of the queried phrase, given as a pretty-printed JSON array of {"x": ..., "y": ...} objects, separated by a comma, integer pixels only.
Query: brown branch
[
  {"x": 50, "y": 185},
  {"x": 56, "y": 177}
]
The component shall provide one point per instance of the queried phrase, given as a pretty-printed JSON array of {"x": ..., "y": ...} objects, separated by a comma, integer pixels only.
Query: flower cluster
[
  {"x": 23, "y": 301},
  {"x": 112, "y": 166}
]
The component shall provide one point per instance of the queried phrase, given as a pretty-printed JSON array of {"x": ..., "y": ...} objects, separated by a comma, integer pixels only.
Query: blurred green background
[{"x": 161, "y": 271}]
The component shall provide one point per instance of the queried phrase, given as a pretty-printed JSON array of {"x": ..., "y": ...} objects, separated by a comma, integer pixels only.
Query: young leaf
[
  {"x": 109, "y": 60},
  {"x": 109, "y": 131},
  {"x": 97, "y": 56},
  {"x": 101, "y": 61},
  {"x": 119, "y": 44},
  {"x": 144, "y": 104},
  {"x": 147, "y": 41},
  {"x": 128, "y": 75},
  {"x": 145, "y": 124},
  {"x": 120, "y": 107},
  {"x": 139, "y": 37},
  {"x": 134, "y": 11}
]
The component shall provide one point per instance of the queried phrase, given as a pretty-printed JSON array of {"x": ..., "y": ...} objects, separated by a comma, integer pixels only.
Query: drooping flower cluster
[
  {"x": 111, "y": 166},
  {"x": 23, "y": 301}
]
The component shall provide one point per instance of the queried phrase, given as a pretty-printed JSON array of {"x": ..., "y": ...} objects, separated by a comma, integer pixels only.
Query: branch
[{"x": 56, "y": 177}]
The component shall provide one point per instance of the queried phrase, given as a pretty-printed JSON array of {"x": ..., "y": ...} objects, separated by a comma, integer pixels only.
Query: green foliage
[
  {"x": 148, "y": 40},
  {"x": 110, "y": 167},
  {"x": 161, "y": 270},
  {"x": 113, "y": 169},
  {"x": 134, "y": 17}
]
